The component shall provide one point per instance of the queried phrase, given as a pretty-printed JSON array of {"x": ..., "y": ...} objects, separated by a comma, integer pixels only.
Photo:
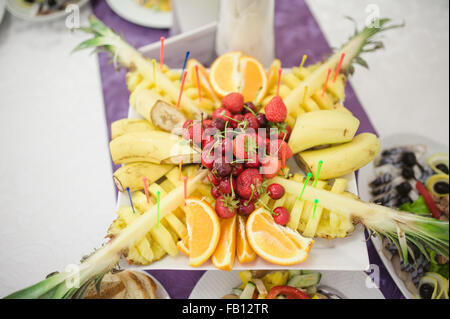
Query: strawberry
[
  {"x": 222, "y": 113},
  {"x": 226, "y": 207},
  {"x": 249, "y": 184},
  {"x": 276, "y": 110},
  {"x": 244, "y": 146},
  {"x": 270, "y": 166},
  {"x": 277, "y": 147},
  {"x": 233, "y": 102},
  {"x": 280, "y": 131}
]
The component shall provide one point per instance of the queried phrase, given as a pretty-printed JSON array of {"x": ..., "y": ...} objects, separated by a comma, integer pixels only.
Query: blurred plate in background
[
  {"x": 351, "y": 284},
  {"x": 367, "y": 174},
  {"x": 131, "y": 11},
  {"x": 27, "y": 12}
]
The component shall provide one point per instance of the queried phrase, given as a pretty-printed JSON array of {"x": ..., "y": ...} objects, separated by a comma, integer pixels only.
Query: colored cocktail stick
[
  {"x": 326, "y": 83},
  {"x": 319, "y": 168},
  {"x": 280, "y": 72},
  {"x": 303, "y": 61},
  {"x": 338, "y": 69},
  {"x": 158, "y": 200},
  {"x": 181, "y": 89},
  {"x": 154, "y": 71},
  {"x": 161, "y": 54},
  {"x": 184, "y": 64},
  {"x": 316, "y": 202},
  {"x": 145, "y": 181},
  {"x": 185, "y": 189},
  {"x": 198, "y": 83},
  {"x": 131, "y": 200},
  {"x": 304, "y": 95},
  {"x": 308, "y": 177}
]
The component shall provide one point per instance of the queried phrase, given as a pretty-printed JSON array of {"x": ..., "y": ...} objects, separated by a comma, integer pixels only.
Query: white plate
[
  {"x": 351, "y": 284},
  {"x": 339, "y": 254},
  {"x": 161, "y": 292},
  {"x": 2, "y": 9},
  {"x": 130, "y": 10},
  {"x": 18, "y": 9},
  {"x": 367, "y": 174}
]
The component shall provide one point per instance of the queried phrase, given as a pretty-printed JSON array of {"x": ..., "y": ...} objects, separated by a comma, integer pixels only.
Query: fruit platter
[{"x": 241, "y": 167}]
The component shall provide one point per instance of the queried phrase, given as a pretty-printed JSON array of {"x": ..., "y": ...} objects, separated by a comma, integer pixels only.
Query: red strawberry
[
  {"x": 233, "y": 102},
  {"x": 249, "y": 184},
  {"x": 276, "y": 110},
  {"x": 277, "y": 147},
  {"x": 222, "y": 113},
  {"x": 270, "y": 166},
  {"x": 226, "y": 207},
  {"x": 281, "y": 216},
  {"x": 244, "y": 146}
]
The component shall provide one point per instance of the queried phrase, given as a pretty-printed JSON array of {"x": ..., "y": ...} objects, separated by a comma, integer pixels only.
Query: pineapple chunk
[
  {"x": 337, "y": 89},
  {"x": 325, "y": 102}
]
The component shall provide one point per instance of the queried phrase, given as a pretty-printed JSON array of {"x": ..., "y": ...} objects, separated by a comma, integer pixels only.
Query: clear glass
[{"x": 247, "y": 26}]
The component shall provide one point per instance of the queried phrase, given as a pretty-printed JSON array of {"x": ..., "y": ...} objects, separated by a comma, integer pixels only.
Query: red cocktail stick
[
  {"x": 198, "y": 84},
  {"x": 161, "y": 54},
  {"x": 338, "y": 69},
  {"x": 144, "y": 180},
  {"x": 185, "y": 189},
  {"x": 182, "y": 88},
  {"x": 280, "y": 71},
  {"x": 326, "y": 82}
]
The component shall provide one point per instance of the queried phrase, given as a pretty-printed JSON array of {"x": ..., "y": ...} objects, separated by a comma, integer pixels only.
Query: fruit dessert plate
[{"x": 348, "y": 254}]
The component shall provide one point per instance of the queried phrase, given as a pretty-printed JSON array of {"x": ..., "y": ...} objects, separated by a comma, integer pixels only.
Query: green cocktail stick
[
  {"x": 319, "y": 168},
  {"x": 308, "y": 177}
]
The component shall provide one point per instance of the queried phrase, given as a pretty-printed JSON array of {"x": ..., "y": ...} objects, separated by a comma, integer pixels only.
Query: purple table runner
[{"x": 297, "y": 33}]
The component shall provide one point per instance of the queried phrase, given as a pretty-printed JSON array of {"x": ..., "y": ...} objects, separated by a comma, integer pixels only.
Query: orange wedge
[
  {"x": 205, "y": 86},
  {"x": 223, "y": 257},
  {"x": 203, "y": 227},
  {"x": 244, "y": 251},
  {"x": 274, "y": 243},
  {"x": 183, "y": 246},
  {"x": 235, "y": 72}
]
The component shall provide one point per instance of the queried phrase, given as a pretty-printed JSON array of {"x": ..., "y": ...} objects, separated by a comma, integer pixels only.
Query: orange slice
[
  {"x": 275, "y": 243},
  {"x": 204, "y": 80},
  {"x": 183, "y": 246},
  {"x": 235, "y": 72},
  {"x": 244, "y": 251},
  {"x": 203, "y": 227},
  {"x": 223, "y": 257}
]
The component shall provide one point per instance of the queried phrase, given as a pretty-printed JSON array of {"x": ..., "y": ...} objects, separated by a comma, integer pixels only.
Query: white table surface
[{"x": 56, "y": 193}]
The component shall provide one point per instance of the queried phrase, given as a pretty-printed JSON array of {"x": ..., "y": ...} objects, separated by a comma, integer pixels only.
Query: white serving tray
[
  {"x": 350, "y": 284},
  {"x": 340, "y": 254},
  {"x": 367, "y": 174}
]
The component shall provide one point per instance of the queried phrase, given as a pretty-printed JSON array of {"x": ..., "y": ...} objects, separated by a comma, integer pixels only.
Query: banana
[
  {"x": 342, "y": 159},
  {"x": 154, "y": 147},
  {"x": 130, "y": 175},
  {"x": 321, "y": 128},
  {"x": 124, "y": 126},
  {"x": 157, "y": 111}
]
